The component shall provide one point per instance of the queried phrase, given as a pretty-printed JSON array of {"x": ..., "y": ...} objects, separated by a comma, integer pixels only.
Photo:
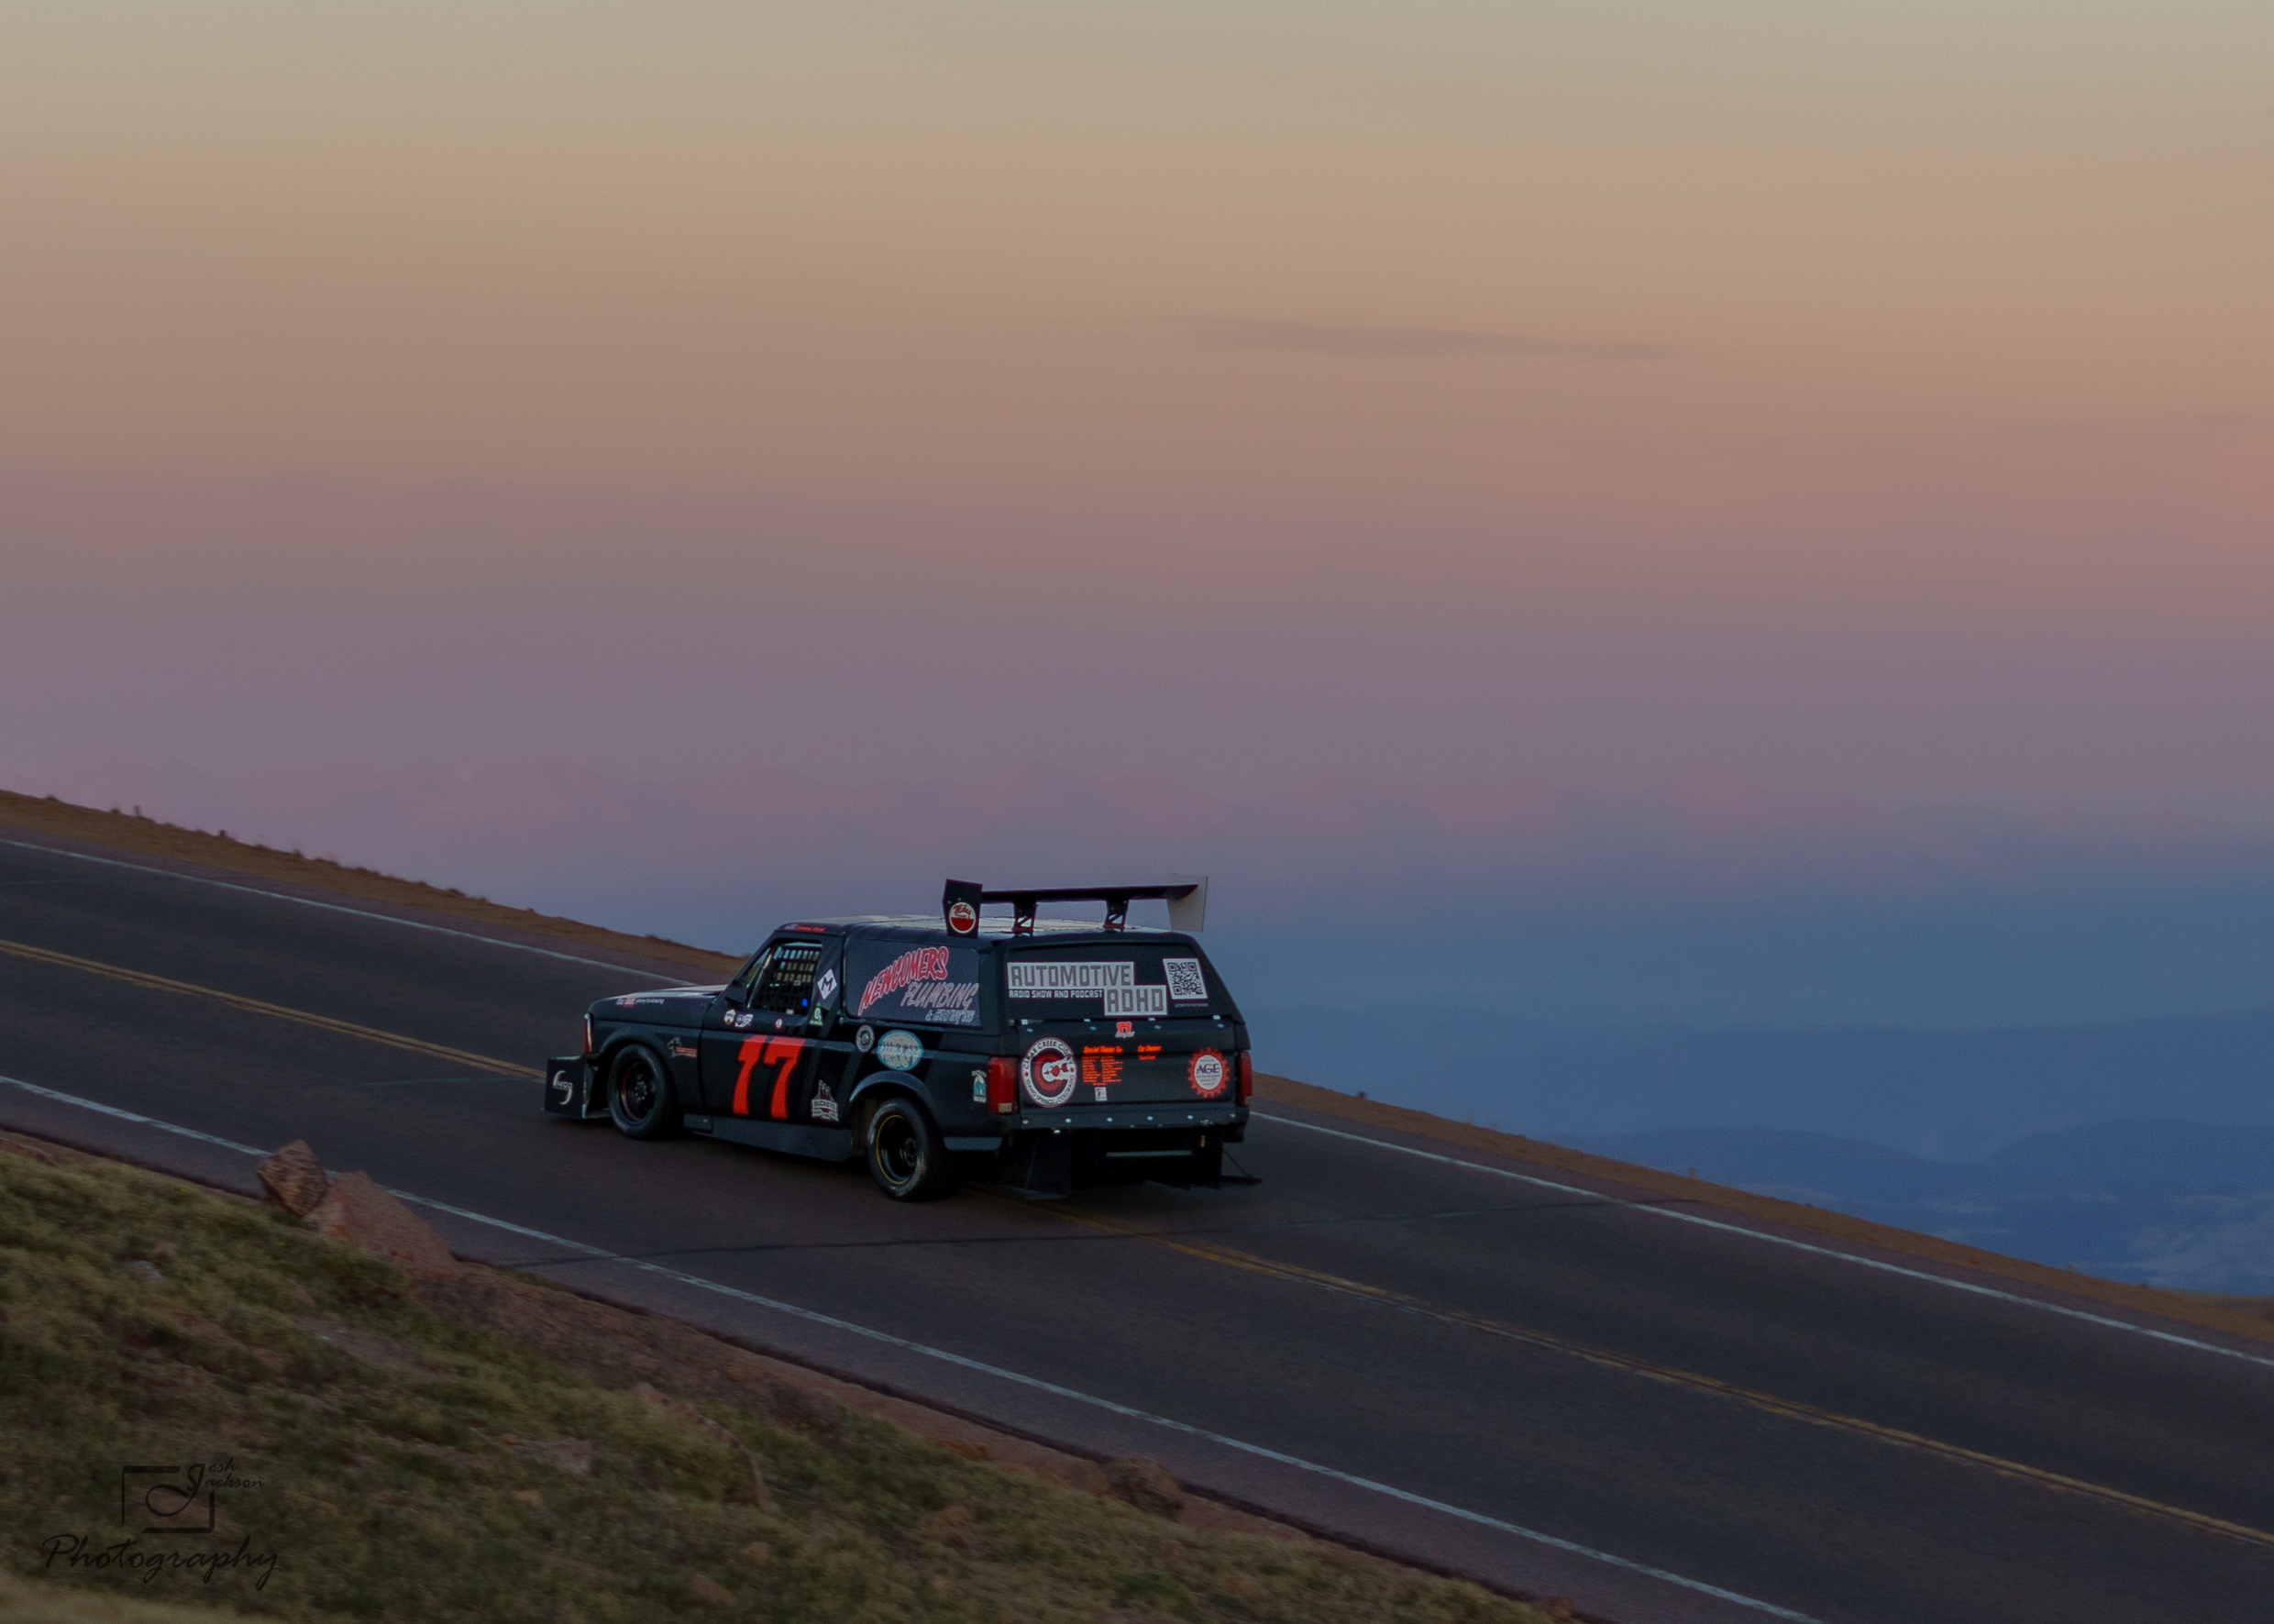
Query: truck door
[{"x": 759, "y": 1060}]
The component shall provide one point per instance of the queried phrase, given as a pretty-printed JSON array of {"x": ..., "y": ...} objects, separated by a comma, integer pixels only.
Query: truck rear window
[{"x": 1142, "y": 978}]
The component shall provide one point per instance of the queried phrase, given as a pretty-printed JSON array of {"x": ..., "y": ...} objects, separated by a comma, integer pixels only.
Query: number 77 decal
[{"x": 780, "y": 1052}]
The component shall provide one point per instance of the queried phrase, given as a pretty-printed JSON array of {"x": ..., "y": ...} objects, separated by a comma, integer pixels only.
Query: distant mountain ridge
[
  {"x": 2154, "y": 1199},
  {"x": 1954, "y": 1096}
]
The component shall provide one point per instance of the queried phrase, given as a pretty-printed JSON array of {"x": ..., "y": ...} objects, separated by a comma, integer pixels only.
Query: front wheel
[
  {"x": 639, "y": 1097},
  {"x": 905, "y": 1156}
]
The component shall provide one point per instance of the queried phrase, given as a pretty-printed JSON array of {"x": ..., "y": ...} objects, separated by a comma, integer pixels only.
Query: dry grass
[{"x": 414, "y": 1461}]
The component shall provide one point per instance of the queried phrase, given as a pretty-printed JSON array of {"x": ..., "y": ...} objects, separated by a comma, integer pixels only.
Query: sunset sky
[{"x": 1872, "y": 403}]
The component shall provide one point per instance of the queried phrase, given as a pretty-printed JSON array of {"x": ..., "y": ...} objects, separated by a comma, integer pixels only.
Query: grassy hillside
[{"x": 383, "y": 1449}]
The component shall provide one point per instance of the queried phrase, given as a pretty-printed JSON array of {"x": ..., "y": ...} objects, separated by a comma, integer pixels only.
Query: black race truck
[{"x": 1048, "y": 1055}]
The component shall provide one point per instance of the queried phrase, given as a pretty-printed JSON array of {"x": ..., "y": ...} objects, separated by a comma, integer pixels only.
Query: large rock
[
  {"x": 294, "y": 1180},
  {"x": 365, "y": 1215},
  {"x": 1145, "y": 1484},
  {"x": 646, "y": 1393}
]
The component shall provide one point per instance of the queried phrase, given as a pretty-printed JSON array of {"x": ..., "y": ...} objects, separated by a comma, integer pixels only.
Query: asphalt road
[{"x": 1491, "y": 1367}]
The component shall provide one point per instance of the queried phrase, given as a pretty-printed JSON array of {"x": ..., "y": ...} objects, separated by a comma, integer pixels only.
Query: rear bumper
[
  {"x": 1062, "y": 1160},
  {"x": 1139, "y": 1117}
]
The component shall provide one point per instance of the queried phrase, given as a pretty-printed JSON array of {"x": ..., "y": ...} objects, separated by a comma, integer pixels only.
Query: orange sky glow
[{"x": 1765, "y": 320}]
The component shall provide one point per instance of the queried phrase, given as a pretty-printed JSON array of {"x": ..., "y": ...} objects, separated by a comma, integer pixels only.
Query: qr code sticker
[{"x": 1185, "y": 985}]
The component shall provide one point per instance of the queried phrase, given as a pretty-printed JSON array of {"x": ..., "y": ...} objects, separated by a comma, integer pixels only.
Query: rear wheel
[
  {"x": 639, "y": 1097},
  {"x": 905, "y": 1156}
]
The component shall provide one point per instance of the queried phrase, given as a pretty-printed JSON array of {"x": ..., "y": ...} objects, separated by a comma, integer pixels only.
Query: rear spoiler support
[{"x": 1186, "y": 894}]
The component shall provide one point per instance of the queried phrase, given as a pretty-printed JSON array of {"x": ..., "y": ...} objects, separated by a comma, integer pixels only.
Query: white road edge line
[
  {"x": 1739, "y": 1229},
  {"x": 816, "y": 1318},
  {"x": 252, "y": 891},
  {"x": 129, "y": 1116}
]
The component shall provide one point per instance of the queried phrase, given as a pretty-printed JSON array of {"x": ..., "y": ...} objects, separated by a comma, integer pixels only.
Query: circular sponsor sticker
[
  {"x": 864, "y": 1039},
  {"x": 1048, "y": 1072},
  {"x": 963, "y": 918},
  {"x": 899, "y": 1050},
  {"x": 1207, "y": 1072}
]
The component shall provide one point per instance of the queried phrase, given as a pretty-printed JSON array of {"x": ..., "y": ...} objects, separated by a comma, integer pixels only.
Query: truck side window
[
  {"x": 745, "y": 981},
  {"x": 785, "y": 984}
]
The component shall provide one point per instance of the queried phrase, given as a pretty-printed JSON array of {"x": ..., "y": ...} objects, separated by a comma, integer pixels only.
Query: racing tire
[
  {"x": 640, "y": 1101},
  {"x": 905, "y": 1156}
]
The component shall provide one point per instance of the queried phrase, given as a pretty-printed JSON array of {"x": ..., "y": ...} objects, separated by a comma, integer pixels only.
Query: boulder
[
  {"x": 366, "y": 1217},
  {"x": 647, "y": 1394},
  {"x": 294, "y": 1180},
  {"x": 1145, "y": 1484},
  {"x": 703, "y": 1588},
  {"x": 563, "y": 1454}
]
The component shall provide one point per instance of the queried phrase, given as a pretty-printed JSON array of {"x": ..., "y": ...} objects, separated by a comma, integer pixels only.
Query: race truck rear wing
[{"x": 1186, "y": 894}]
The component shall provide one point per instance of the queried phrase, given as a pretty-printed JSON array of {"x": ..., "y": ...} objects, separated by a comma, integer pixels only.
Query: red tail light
[
  {"x": 1002, "y": 1085},
  {"x": 1247, "y": 1076},
  {"x": 588, "y": 1034}
]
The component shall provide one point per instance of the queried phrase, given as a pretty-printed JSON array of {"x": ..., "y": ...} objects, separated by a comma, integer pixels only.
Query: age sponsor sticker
[
  {"x": 1049, "y": 1073},
  {"x": 900, "y": 1051},
  {"x": 1207, "y": 1072}
]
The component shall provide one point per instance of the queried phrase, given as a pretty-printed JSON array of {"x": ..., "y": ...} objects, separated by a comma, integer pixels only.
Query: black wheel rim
[
  {"x": 899, "y": 1153},
  {"x": 637, "y": 1091}
]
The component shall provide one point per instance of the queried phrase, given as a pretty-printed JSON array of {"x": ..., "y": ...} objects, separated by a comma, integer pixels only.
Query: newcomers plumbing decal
[
  {"x": 937, "y": 985},
  {"x": 920, "y": 964}
]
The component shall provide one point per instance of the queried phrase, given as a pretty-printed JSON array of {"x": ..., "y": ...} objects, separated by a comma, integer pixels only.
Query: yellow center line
[
  {"x": 257, "y": 1007},
  {"x": 1791, "y": 1408}
]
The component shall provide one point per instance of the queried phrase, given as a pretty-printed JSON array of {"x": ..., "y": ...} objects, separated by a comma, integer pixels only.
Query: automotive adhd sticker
[
  {"x": 1112, "y": 980},
  {"x": 1048, "y": 1072},
  {"x": 1207, "y": 1072},
  {"x": 1054, "y": 978}
]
